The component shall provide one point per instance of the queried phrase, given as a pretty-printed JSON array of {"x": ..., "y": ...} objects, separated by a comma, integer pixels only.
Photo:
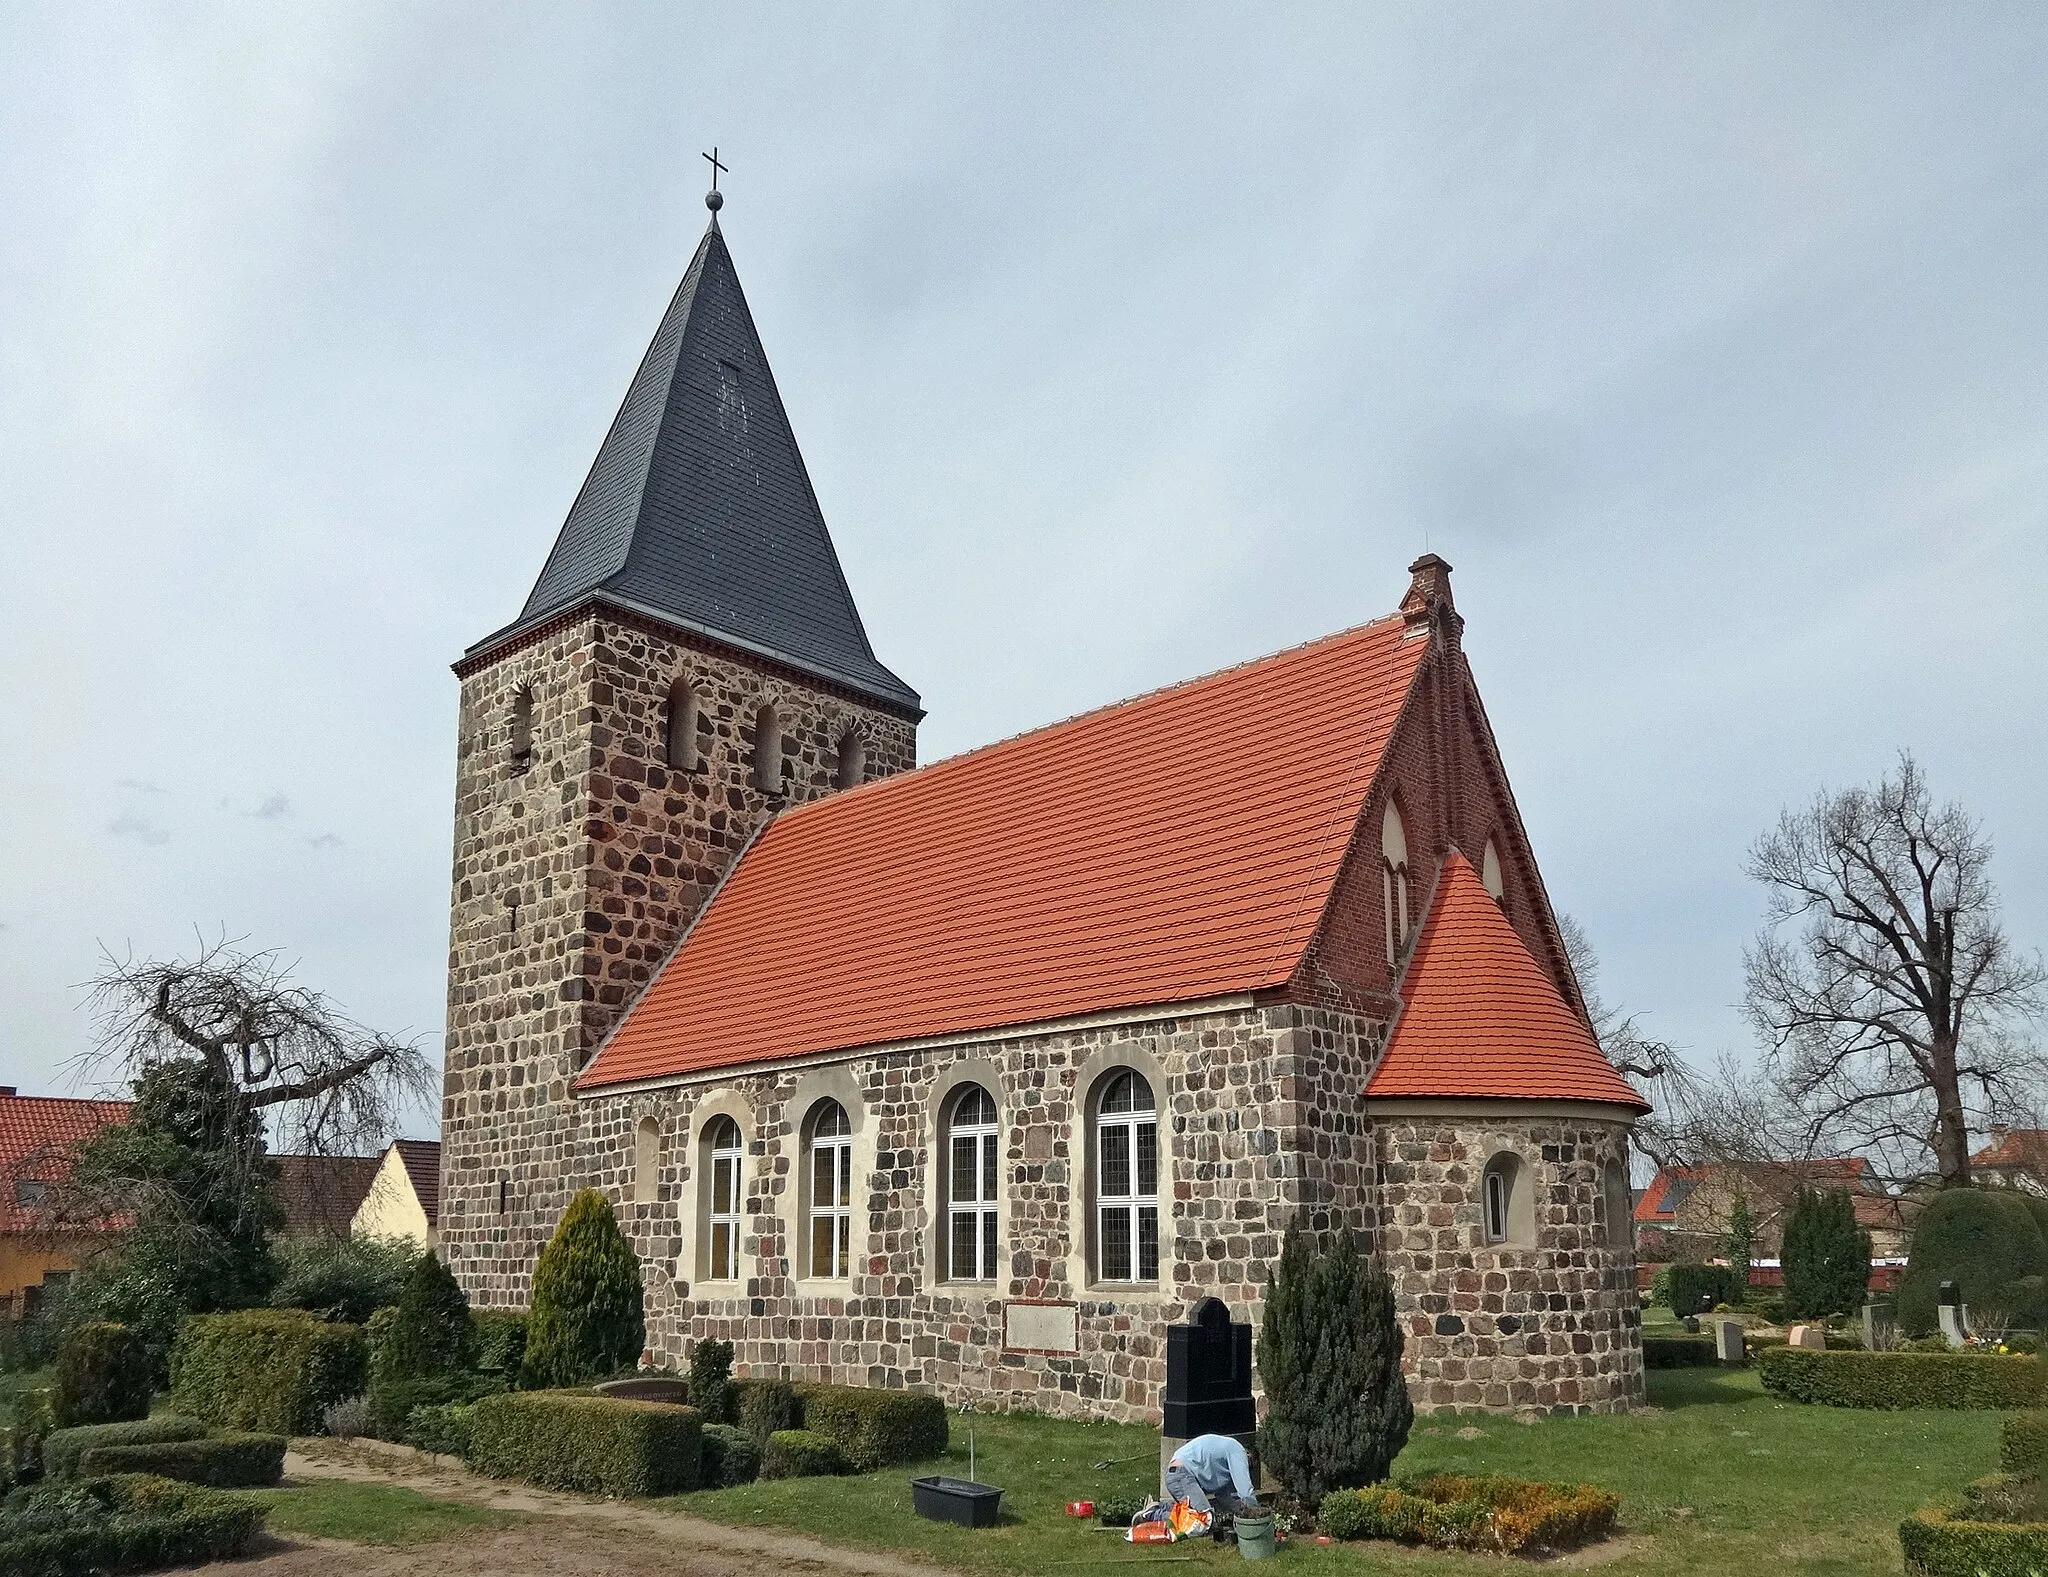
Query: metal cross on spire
[{"x": 712, "y": 199}]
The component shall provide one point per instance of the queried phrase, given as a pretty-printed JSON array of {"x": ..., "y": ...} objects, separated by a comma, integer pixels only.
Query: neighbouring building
[
  {"x": 975, "y": 1077},
  {"x": 404, "y": 1196},
  {"x": 1684, "y": 1213},
  {"x": 38, "y": 1134},
  {"x": 320, "y": 1194},
  {"x": 2015, "y": 1158}
]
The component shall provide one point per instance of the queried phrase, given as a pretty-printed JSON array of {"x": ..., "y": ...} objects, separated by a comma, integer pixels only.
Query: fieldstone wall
[
  {"x": 574, "y": 875},
  {"x": 1552, "y": 1324}
]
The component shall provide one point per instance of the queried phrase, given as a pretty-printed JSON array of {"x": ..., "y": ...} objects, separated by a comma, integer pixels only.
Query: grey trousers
[{"x": 1183, "y": 1485}]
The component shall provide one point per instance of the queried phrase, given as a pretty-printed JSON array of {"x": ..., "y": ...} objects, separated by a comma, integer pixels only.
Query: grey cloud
[
  {"x": 274, "y": 807},
  {"x": 140, "y": 828}
]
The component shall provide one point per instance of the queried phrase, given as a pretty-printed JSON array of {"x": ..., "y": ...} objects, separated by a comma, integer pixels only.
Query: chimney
[
  {"x": 1429, "y": 598},
  {"x": 8, "y": 1089}
]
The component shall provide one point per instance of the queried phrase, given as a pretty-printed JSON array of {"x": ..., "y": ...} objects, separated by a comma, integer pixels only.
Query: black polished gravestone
[{"x": 1209, "y": 1376}]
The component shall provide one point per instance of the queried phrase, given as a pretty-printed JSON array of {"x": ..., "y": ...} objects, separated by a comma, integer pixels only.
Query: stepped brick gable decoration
[{"x": 981, "y": 1078}]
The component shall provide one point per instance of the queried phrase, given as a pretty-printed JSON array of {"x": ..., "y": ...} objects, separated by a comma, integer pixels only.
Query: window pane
[
  {"x": 1116, "y": 1162},
  {"x": 964, "y": 1267},
  {"x": 988, "y": 1168},
  {"x": 963, "y": 1170},
  {"x": 724, "y": 1192},
  {"x": 844, "y": 1163},
  {"x": 1148, "y": 1160},
  {"x": 843, "y": 1233},
  {"x": 988, "y": 1246},
  {"x": 1148, "y": 1243},
  {"x": 1116, "y": 1244},
  {"x": 722, "y": 1258},
  {"x": 821, "y": 1246},
  {"x": 821, "y": 1176}
]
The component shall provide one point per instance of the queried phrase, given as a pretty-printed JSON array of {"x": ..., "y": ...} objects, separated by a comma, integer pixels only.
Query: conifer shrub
[
  {"x": 105, "y": 1375},
  {"x": 1985, "y": 1239},
  {"x": 445, "y": 1428},
  {"x": 765, "y": 1406},
  {"x": 22, "y": 1439},
  {"x": 272, "y": 1370},
  {"x": 801, "y": 1453},
  {"x": 596, "y": 1444},
  {"x": 730, "y": 1457},
  {"x": 711, "y": 1380},
  {"x": 875, "y": 1428},
  {"x": 64, "y": 1448},
  {"x": 500, "y": 1341},
  {"x": 423, "y": 1350},
  {"x": 1337, "y": 1408},
  {"x": 586, "y": 1319},
  {"x": 232, "y": 1461},
  {"x": 1695, "y": 1288},
  {"x": 1826, "y": 1256}
]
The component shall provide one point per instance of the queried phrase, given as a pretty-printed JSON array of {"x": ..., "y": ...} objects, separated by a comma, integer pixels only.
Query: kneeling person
[{"x": 1213, "y": 1473}]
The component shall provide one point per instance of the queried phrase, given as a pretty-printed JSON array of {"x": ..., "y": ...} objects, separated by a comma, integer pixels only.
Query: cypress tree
[
  {"x": 1283, "y": 1360},
  {"x": 586, "y": 1321},
  {"x": 1741, "y": 1244},
  {"x": 1826, "y": 1256},
  {"x": 431, "y": 1334}
]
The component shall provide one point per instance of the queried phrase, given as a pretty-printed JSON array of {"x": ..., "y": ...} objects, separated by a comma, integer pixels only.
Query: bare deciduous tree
[
  {"x": 1894, "y": 1015},
  {"x": 328, "y": 1085}
]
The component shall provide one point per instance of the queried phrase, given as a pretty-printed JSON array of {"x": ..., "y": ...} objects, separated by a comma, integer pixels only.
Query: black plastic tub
[{"x": 958, "y": 1500}]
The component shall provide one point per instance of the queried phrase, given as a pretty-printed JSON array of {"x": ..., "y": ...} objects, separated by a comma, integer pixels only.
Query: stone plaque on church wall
[{"x": 1041, "y": 1327}]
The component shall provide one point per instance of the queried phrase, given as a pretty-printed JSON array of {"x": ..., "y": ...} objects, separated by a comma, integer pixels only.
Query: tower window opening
[
  {"x": 680, "y": 742},
  {"x": 768, "y": 750},
  {"x": 521, "y": 734},
  {"x": 853, "y": 759}
]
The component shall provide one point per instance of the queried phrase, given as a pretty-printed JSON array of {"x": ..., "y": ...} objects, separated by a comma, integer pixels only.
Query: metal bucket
[{"x": 1254, "y": 1537}]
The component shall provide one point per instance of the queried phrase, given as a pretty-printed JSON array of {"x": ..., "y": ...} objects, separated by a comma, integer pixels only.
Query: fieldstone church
[{"x": 974, "y": 1077}]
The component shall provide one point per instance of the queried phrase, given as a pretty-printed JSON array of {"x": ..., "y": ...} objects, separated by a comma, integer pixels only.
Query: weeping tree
[{"x": 1892, "y": 1005}]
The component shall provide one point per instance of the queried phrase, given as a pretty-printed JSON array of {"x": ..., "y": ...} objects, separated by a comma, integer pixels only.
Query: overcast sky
[{"x": 1123, "y": 343}]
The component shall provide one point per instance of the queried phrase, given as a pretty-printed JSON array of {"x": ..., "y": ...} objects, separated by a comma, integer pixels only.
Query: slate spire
[{"x": 698, "y": 509}]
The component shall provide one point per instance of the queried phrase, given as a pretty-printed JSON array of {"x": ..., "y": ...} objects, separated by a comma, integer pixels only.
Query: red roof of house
[
  {"x": 37, "y": 1135},
  {"x": 1176, "y": 847},
  {"x": 1668, "y": 1189},
  {"x": 2018, "y": 1149},
  {"x": 1480, "y": 1018},
  {"x": 422, "y": 1161},
  {"x": 320, "y": 1194}
]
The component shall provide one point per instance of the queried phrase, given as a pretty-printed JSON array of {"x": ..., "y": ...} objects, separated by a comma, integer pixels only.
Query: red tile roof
[
  {"x": 422, "y": 1161},
  {"x": 1176, "y": 847},
  {"x": 1669, "y": 1188},
  {"x": 1480, "y": 1018},
  {"x": 37, "y": 1135},
  {"x": 321, "y": 1193},
  {"x": 2017, "y": 1149}
]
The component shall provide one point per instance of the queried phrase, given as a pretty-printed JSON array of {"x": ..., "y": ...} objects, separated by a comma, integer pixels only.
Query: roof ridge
[{"x": 897, "y": 779}]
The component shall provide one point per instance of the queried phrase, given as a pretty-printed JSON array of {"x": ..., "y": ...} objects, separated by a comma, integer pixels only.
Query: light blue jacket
[{"x": 1217, "y": 1462}]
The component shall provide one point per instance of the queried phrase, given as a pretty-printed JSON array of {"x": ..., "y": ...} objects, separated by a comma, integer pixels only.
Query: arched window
[
  {"x": 720, "y": 1230},
  {"x": 853, "y": 758},
  {"x": 1620, "y": 1206},
  {"x": 680, "y": 734},
  {"x": 1394, "y": 880},
  {"x": 830, "y": 1203},
  {"x": 521, "y": 732},
  {"x": 973, "y": 1167},
  {"x": 1126, "y": 1180},
  {"x": 768, "y": 750},
  {"x": 1507, "y": 1214},
  {"x": 1489, "y": 872},
  {"x": 647, "y": 1162}
]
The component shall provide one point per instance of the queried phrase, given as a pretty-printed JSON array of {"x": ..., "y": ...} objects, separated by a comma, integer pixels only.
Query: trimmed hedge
[
  {"x": 1896, "y": 1380},
  {"x": 1938, "y": 1543},
  {"x": 1458, "y": 1512},
  {"x": 764, "y": 1406},
  {"x": 64, "y": 1448},
  {"x": 876, "y": 1428},
  {"x": 2023, "y": 1443},
  {"x": 125, "y": 1524},
  {"x": 274, "y": 1370},
  {"x": 222, "y": 1461},
  {"x": 801, "y": 1453},
  {"x": 574, "y": 1440},
  {"x": 1677, "y": 1352},
  {"x": 393, "y": 1404},
  {"x": 446, "y": 1428},
  {"x": 105, "y": 1375},
  {"x": 730, "y": 1457}
]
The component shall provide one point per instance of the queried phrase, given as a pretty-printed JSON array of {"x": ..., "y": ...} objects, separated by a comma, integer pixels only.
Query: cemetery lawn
[
  {"x": 1717, "y": 1479},
  {"x": 370, "y": 1513}
]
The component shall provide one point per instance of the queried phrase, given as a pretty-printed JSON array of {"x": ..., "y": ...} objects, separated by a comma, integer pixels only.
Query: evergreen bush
[
  {"x": 22, "y": 1439},
  {"x": 346, "y": 1279},
  {"x": 711, "y": 1380},
  {"x": 800, "y": 1453},
  {"x": 1942, "y": 1541},
  {"x": 63, "y": 1449},
  {"x": 274, "y": 1370},
  {"x": 1895, "y": 1380},
  {"x": 445, "y": 1428},
  {"x": 876, "y": 1428},
  {"x": 234, "y": 1461},
  {"x": 1826, "y": 1256},
  {"x": 2023, "y": 1443},
  {"x": 586, "y": 1320},
  {"x": 730, "y": 1457},
  {"x": 423, "y": 1349},
  {"x": 596, "y": 1444},
  {"x": 130, "y": 1523},
  {"x": 105, "y": 1375},
  {"x": 1677, "y": 1352},
  {"x": 1695, "y": 1288},
  {"x": 1985, "y": 1239},
  {"x": 500, "y": 1341},
  {"x": 1337, "y": 1408},
  {"x": 766, "y": 1406}
]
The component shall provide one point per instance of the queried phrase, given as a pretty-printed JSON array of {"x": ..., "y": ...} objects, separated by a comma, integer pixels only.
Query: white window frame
[
  {"x": 831, "y": 1149},
  {"x": 732, "y": 1158},
  {"x": 978, "y": 1139},
  {"x": 1129, "y": 1211},
  {"x": 1498, "y": 1191}
]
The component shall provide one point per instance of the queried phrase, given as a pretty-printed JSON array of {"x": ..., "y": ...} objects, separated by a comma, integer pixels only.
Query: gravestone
[
  {"x": 1955, "y": 1315},
  {"x": 1208, "y": 1383},
  {"x": 1729, "y": 1343},
  {"x": 1809, "y": 1336},
  {"x": 646, "y": 1388},
  {"x": 1880, "y": 1327}
]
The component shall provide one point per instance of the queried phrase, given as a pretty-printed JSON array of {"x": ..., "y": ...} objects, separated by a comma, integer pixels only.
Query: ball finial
[{"x": 714, "y": 200}]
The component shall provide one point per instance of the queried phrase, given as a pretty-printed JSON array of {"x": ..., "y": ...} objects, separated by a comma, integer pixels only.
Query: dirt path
[{"x": 586, "y": 1537}]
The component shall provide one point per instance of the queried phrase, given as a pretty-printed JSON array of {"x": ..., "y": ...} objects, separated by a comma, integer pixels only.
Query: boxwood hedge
[
  {"x": 801, "y": 1453},
  {"x": 2023, "y": 1443},
  {"x": 1938, "y": 1543},
  {"x": 574, "y": 1440},
  {"x": 238, "y": 1461},
  {"x": 875, "y": 1428},
  {"x": 1893, "y": 1380},
  {"x": 1454, "y": 1511},
  {"x": 105, "y": 1374},
  {"x": 730, "y": 1457},
  {"x": 274, "y": 1370},
  {"x": 125, "y": 1524},
  {"x": 63, "y": 1448}
]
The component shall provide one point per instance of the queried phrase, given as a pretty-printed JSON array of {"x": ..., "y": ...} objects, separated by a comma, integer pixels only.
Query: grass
[
  {"x": 371, "y": 1513},
  {"x": 1721, "y": 1478}
]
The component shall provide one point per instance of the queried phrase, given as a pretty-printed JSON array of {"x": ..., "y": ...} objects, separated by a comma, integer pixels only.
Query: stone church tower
[{"x": 689, "y": 663}]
